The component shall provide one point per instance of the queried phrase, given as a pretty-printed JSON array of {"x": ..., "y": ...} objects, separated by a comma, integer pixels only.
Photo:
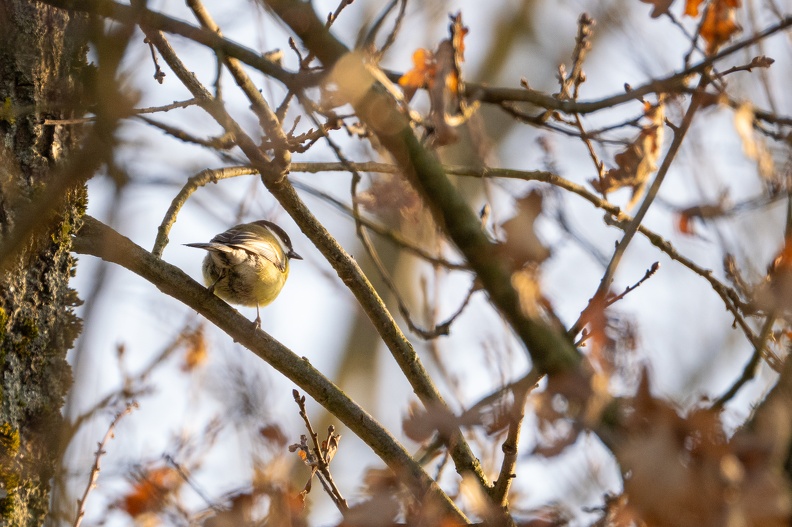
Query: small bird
[{"x": 248, "y": 264}]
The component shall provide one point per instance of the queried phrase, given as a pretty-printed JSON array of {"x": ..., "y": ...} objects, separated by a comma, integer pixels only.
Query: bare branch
[
  {"x": 100, "y": 451},
  {"x": 99, "y": 240}
]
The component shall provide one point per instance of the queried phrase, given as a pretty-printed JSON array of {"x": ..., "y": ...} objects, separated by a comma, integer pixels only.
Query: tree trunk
[{"x": 42, "y": 51}]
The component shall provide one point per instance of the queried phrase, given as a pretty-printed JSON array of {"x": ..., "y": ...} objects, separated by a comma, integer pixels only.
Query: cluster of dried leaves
[
  {"x": 639, "y": 160},
  {"x": 684, "y": 471},
  {"x": 156, "y": 495},
  {"x": 680, "y": 469},
  {"x": 717, "y": 26},
  {"x": 440, "y": 73}
]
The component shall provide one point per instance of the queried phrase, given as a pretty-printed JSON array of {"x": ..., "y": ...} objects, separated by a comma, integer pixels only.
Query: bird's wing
[
  {"x": 255, "y": 244},
  {"x": 211, "y": 246}
]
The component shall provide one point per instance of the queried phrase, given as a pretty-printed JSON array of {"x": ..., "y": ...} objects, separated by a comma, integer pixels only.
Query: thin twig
[
  {"x": 632, "y": 227},
  {"x": 99, "y": 240},
  {"x": 136, "y": 111},
  {"x": 426, "y": 334},
  {"x": 391, "y": 38},
  {"x": 570, "y": 86},
  {"x": 749, "y": 371},
  {"x": 649, "y": 273},
  {"x": 500, "y": 491},
  {"x": 183, "y": 474},
  {"x": 298, "y": 80},
  {"x": 95, "y": 468},
  {"x": 193, "y": 183},
  {"x": 612, "y": 299},
  {"x": 323, "y": 454},
  {"x": 159, "y": 75},
  {"x": 267, "y": 118},
  {"x": 223, "y": 142},
  {"x": 390, "y": 234}
]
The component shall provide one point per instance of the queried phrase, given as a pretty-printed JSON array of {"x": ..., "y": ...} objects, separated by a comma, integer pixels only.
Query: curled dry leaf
[
  {"x": 441, "y": 74},
  {"x": 421, "y": 423},
  {"x": 704, "y": 478},
  {"x": 522, "y": 245},
  {"x": 639, "y": 160},
  {"x": 692, "y": 7},
  {"x": 393, "y": 199},
  {"x": 151, "y": 491},
  {"x": 775, "y": 293},
  {"x": 196, "y": 351},
  {"x": 719, "y": 24},
  {"x": 330, "y": 445},
  {"x": 660, "y": 7},
  {"x": 685, "y": 217},
  {"x": 421, "y": 75},
  {"x": 753, "y": 148}
]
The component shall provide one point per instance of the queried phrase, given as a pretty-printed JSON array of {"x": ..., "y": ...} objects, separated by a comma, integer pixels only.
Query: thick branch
[
  {"x": 99, "y": 240},
  {"x": 273, "y": 177},
  {"x": 487, "y": 94},
  {"x": 550, "y": 350},
  {"x": 145, "y": 17}
]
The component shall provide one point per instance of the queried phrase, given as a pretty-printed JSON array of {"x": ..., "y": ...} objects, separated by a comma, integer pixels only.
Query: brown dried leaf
[
  {"x": 596, "y": 320},
  {"x": 151, "y": 491},
  {"x": 377, "y": 481},
  {"x": 692, "y": 7},
  {"x": 775, "y": 293},
  {"x": 239, "y": 513},
  {"x": 638, "y": 161},
  {"x": 421, "y": 423},
  {"x": 444, "y": 93},
  {"x": 272, "y": 433},
  {"x": 660, "y": 7},
  {"x": 330, "y": 445},
  {"x": 752, "y": 148},
  {"x": 618, "y": 513},
  {"x": 672, "y": 457},
  {"x": 440, "y": 73},
  {"x": 704, "y": 479},
  {"x": 421, "y": 75},
  {"x": 197, "y": 351},
  {"x": 392, "y": 198},
  {"x": 522, "y": 246},
  {"x": 719, "y": 24},
  {"x": 685, "y": 217},
  {"x": 379, "y": 511}
]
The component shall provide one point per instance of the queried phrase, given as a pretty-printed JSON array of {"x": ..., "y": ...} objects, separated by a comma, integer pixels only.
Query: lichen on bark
[{"x": 42, "y": 53}]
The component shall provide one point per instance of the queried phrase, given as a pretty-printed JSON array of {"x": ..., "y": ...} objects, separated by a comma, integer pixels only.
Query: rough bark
[{"x": 42, "y": 54}]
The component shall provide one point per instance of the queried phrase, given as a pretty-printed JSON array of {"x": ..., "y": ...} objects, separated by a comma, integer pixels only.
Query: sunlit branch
[{"x": 98, "y": 240}]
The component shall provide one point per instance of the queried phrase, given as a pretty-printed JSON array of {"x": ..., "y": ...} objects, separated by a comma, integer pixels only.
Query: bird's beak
[{"x": 294, "y": 256}]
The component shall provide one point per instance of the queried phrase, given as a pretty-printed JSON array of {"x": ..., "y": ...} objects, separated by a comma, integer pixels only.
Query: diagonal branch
[
  {"x": 273, "y": 176},
  {"x": 486, "y": 94},
  {"x": 550, "y": 350},
  {"x": 99, "y": 240}
]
